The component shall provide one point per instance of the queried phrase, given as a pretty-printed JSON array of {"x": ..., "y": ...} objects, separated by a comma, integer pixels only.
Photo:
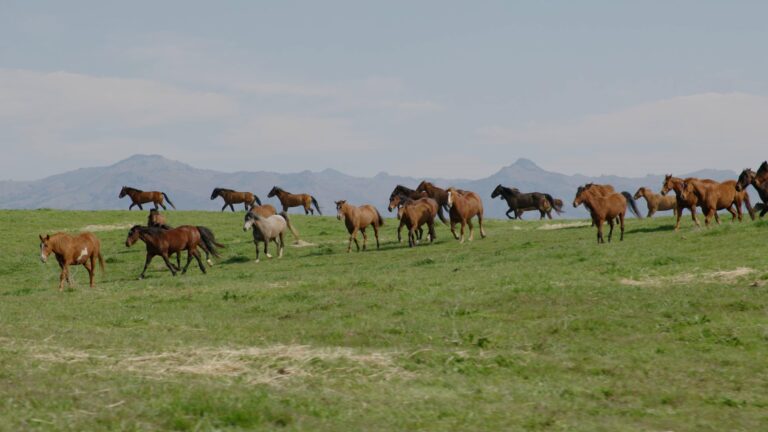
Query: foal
[{"x": 357, "y": 219}]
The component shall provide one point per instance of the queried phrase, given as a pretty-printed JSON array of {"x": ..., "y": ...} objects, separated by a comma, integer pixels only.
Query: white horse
[{"x": 268, "y": 229}]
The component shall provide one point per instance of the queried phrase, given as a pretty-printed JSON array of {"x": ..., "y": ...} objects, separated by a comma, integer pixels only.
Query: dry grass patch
[
  {"x": 557, "y": 226},
  {"x": 728, "y": 276}
]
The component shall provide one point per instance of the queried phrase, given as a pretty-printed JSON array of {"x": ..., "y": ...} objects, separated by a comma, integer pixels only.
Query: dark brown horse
[
  {"x": 139, "y": 197},
  {"x": 358, "y": 219},
  {"x": 519, "y": 202},
  {"x": 656, "y": 202},
  {"x": 83, "y": 248},
  {"x": 437, "y": 194},
  {"x": 464, "y": 205},
  {"x": 289, "y": 200},
  {"x": 713, "y": 196},
  {"x": 167, "y": 242},
  {"x": 232, "y": 197},
  {"x": 758, "y": 180},
  {"x": 603, "y": 207},
  {"x": 413, "y": 214}
]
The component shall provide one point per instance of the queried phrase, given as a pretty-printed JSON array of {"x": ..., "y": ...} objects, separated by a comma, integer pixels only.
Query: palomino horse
[
  {"x": 358, "y": 219},
  {"x": 603, "y": 207},
  {"x": 289, "y": 200},
  {"x": 167, "y": 242},
  {"x": 760, "y": 183},
  {"x": 519, "y": 202},
  {"x": 713, "y": 196},
  {"x": 413, "y": 214},
  {"x": 83, "y": 249},
  {"x": 690, "y": 202},
  {"x": 656, "y": 202},
  {"x": 464, "y": 205},
  {"x": 266, "y": 229},
  {"x": 139, "y": 197},
  {"x": 231, "y": 197},
  {"x": 437, "y": 194}
]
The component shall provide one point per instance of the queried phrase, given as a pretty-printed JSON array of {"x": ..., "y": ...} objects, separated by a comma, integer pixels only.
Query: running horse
[
  {"x": 231, "y": 197},
  {"x": 437, "y": 194},
  {"x": 758, "y": 180},
  {"x": 656, "y": 202},
  {"x": 358, "y": 219},
  {"x": 463, "y": 206},
  {"x": 165, "y": 243},
  {"x": 603, "y": 207},
  {"x": 413, "y": 214},
  {"x": 139, "y": 197},
  {"x": 289, "y": 200},
  {"x": 689, "y": 202},
  {"x": 83, "y": 248},
  {"x": 713, "y": 196},
  {"x": 268, "y": 228},
  {"x": 519, "y": 202}
]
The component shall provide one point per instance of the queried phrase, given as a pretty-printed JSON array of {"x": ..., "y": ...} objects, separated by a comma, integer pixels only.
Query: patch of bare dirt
[{"x": 728, "y": 276}]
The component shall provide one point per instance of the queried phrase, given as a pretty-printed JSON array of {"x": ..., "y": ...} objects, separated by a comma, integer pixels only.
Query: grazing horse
[
  {"x": 760, "y": 183},
  {"x": 603, "y": 207},
  {"x": 437, "y": 194},
  {"x": 266, "y": 229},
  {"x": 289, "y": 200},
  {"x": 167, "y": 242},
  {"x": 139, "y": 197},
  {"x": 713, "y": 196},
  {"x": 519, "y": 202},
  {"x": 83, "y": 249},
  {"x": 464, "y": 205},
  {"x": 413, "y": 214},
  {"x": 357, "y": 219},
  {"x": 656, "y": 202},
  {"x": 231, "y": 197}
]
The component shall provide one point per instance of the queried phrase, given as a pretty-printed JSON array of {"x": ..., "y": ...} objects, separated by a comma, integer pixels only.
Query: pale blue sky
[{"x": 451, "y": 89}]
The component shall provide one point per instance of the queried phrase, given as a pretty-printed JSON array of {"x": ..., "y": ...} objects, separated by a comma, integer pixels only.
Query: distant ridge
[{"x": 189, "y": 187}]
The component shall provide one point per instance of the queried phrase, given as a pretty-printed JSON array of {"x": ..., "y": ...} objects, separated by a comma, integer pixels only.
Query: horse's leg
[
  {"x": 610, "y": 232},
  {"x": 178, "y": 260},
  {"x": 365, "y": 239},
  {"x": 411, "y": 235},
  {"x": 431, "y": 225},
  {"x": 196, "y": 254},
  {"x": 463, "y": 224},
  {"x": 62, "y": 276},
  {"x": 510, "y": 211},
  {"x": 399, "y": 228},
  {"x": 600, "y": 231},
  {"x": 257, "y": 250},
  {"x": 161, "y": 205},
  {"x": 480, "y": 225},
  {"x": 231, "y": 206},
  {"x": 621, "y": 222},
  {"x": 266, "y": 247},
  {"x": 89, "y": 266},
  {"x": 651, "y": 211},
  {"x": 224, "y": 206},
  {"x": 142, "y": 208},
  {"x": 357, "y": 245},
  {"x": 189, "y": 259},
  {"x": 453, "y": 229},
  {"x": 471, "y": 229},
  {"x": 763, "y": 211},
  {"x": 693, "y": 216},
  {"x": 376, "y": 234},
  {"x": 738, "y": 211},
  {"x": 168, "y": 263},
  {"x": 147, "y": 260},
  {"x": 281, "y": 246}
]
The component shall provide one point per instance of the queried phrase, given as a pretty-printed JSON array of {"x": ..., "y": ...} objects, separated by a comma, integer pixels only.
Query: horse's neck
[{"x": 59, "y": 244}]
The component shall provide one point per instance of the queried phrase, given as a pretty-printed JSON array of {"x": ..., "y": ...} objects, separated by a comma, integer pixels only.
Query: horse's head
[
  {"x": 745, "y": 178},
  {"x": 640, "y": 193},
  {"x": 763, "y": 167},
  {"x": 133, "y": 235},
  {"x": 46, "y": 247},
  {"x": 394, "y": 201},
  {"x": 579, "y": 198},
  {"x": 496, "y": 192},
  {"x": 249, "y": 220},
  {"x": 341, "y": 208},
  {"x": 668, "y": 185},
  {"x": 687, "y": 190},
  {"x": 275, "y": 190},
  {"x": 123, "y": 192},
  {"x": 215, "y": 193},
  {"x": 452, "y": 193},
  {"x": 423, "y": 186}
]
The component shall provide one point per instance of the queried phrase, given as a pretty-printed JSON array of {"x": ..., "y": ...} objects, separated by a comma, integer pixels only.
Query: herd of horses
[{"x": 415, "y": 209}]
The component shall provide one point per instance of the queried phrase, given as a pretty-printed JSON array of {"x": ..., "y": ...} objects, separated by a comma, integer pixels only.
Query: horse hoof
[
  {"x": 210, "y": 263},
  {"x": 257, "y": 261},
  {"x": 269, "y": 256}
]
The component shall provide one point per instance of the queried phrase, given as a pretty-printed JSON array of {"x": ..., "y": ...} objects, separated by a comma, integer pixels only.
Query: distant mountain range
[{"x": 190, "y": 188}]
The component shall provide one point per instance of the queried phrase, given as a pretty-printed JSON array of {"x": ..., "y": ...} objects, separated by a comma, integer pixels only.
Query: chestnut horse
[
  {"x": 139, "y": 197},
  {"x": 167, "y": 242},
  {"x": 231, "y": 197},
  {"x": 83, "y": 249},
  {"x": 656, "y": 202},
  {"x": 713, "y": 196},
  {"x": 289, "y": 200},
  {"x": 519, "y": 202},
  {"x": 265, "y": 210},
  {"x": 603, "y": 207},
  {"x": 437, "y": 194},
  {"x": 759, "y": 182},
  {"x": 357, "y": 219},
  {"x": 157, "y": 219},
  {"x": 464, "y": 205},
  {"x": 606, "y": 190},
  {"x": 413, "y": 214}
]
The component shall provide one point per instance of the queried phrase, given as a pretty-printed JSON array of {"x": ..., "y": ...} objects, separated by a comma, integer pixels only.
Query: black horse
[
  {"x": 759, "y": 180},
  {"x": 519, "y": 202}
]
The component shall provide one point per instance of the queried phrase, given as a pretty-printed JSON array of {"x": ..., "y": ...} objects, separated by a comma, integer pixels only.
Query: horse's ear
[
  {"x": 47, "y": 236},
  {"x": 41, "y": 237}
]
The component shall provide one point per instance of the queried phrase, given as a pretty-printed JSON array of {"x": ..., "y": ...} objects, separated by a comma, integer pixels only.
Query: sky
[{"x": 418, "y": 88}]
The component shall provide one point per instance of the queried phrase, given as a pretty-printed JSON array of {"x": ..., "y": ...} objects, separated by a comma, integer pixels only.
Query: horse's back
[{"x": 265, "y": 210}]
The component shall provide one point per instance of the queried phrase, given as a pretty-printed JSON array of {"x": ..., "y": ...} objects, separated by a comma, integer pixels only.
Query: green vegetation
[{"x": 529, "y": 329}]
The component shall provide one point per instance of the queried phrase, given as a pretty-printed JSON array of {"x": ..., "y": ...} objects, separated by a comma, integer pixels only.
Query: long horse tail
[
  {"x": 632, "y": 204},
  {"x": 317, "y": 206},
  {"x": 440, "y": 214},
  {"x": 255, "y": 200},
  {"x": 209, "y": 240},
  {"x": 381, "y": 219},
  {"x": 558, "y": 209},
  {"x": 169, "y": 200},
  {"x": 295, "y": 233},
  {"x": 101, "y": 262}
]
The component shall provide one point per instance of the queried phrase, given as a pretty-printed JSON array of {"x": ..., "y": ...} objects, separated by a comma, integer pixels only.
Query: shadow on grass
[
  {"x": 237, "y": 259},
  {"x": 654, "y": 229}
]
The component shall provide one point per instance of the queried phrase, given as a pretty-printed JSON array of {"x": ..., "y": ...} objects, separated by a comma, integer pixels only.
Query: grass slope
[{"x": 529, "y": 329}]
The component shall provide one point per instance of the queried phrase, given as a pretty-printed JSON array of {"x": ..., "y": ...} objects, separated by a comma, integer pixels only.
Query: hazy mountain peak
[{"x": 525, "y": 163}]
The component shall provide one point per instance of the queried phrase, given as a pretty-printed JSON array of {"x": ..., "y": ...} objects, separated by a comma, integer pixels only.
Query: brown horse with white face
[
  {"x": 602, "y": 208},
  {"x": 656, "y": 202},
  {"x": 289, "y": 200},
  {"x": 139, "y": 197},
  {"x": 232, "y": 197},
  {"x": 358, "y": 219},
  {"x": 464, "y": 205},
  {"x": 82, "y": 249}
]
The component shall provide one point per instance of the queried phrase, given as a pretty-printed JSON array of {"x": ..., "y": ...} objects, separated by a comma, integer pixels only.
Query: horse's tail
[
  {"x": 381, "y": 219},
  {"x": 632, "y": 204},
  {"x": 553, "y": 204},
  {"x": 295, "y": 233},
  {"x": 169, "y": 200},
  {"x": 209, "y": 240},
  {"x": 314, "y": 201},
  {"x": 255, "y": 200},
  {"x": 101, "y": 262},
  {"x": 440, "y": 214}
]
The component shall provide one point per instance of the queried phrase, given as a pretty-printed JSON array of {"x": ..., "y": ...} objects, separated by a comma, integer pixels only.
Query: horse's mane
[
  {"x": 219, "y": 189},
  {"x": 507, "y": 190},
  {"x": 279, "y": 189},
  {"x": 763, "y": 167},
  {"x": 130, "y": 189},
  {"x": 147, "y": 230}
]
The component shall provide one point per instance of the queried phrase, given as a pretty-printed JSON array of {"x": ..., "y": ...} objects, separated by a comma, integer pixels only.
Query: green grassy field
[{"x": 529, "y": 329}]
